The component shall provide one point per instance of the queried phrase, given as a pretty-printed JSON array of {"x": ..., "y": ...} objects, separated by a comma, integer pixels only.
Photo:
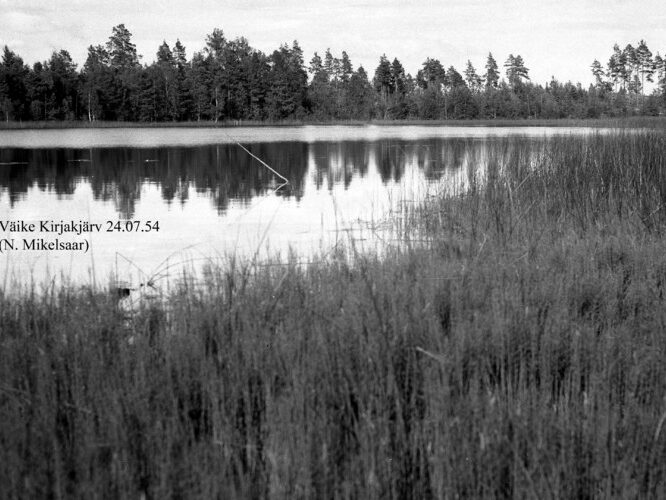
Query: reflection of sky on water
[
  {"x": 216, "y": 200},
  {"x": 183, "y": 136}
]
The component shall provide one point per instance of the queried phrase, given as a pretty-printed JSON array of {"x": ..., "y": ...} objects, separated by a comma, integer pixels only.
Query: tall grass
[{"x": 517, "y": 350}]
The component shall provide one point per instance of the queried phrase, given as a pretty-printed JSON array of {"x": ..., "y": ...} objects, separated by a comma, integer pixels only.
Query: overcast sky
[{"x": 559, "y": 38}]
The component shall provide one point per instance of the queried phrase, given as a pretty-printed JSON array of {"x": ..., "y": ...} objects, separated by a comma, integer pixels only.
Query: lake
[{"x": 142, "y": 203}]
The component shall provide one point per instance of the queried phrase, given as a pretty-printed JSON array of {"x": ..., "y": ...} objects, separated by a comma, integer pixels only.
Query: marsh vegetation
[{"x": 509, "y": 343}]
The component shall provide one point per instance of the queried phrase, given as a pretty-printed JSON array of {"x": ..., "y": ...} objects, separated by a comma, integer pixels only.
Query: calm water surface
[{"x": 211, "y": 198}]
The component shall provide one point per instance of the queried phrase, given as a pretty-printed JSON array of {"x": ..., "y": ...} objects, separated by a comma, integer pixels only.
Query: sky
[{"x": 555, "y": 38}]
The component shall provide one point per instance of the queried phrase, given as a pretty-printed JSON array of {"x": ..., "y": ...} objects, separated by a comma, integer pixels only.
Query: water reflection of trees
[
  {"x": 432, "y": 156},
  {"x": 338, "y": 162},
  {"x": 435, "y": 157},
  {"x": 47, "y": 169},
  {"x": 391, "y": 160},
  {"x": 225, "y": 172}
]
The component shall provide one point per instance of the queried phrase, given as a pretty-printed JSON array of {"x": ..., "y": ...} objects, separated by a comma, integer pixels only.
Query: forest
[{"x": 229, "y": 80}]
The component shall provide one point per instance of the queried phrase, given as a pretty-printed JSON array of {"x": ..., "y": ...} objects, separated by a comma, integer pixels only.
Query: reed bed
[{"x": 513, "y": 346}]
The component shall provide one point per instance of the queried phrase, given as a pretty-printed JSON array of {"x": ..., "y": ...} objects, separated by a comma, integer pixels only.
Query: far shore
[{"x": 639, "y": 121}]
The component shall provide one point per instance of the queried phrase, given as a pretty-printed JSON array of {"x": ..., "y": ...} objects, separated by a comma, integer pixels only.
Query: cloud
[
  {"x": 21, "y": 21},
  {"x": 12, "y": 43}
]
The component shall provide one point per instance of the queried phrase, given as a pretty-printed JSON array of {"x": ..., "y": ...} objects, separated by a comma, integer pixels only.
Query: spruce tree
[
  {"x": 13, "y": 75},
  {"x": 124, "y": 63},
  {"x": 183, "y": 96}
]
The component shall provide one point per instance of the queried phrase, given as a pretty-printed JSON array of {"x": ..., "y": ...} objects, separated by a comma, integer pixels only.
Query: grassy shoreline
[
  {"x": 634, "y": 122},
  {"x": 511, "y": 346}
]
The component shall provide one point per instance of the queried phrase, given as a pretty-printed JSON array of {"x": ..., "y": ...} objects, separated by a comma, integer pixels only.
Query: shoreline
[{"x": 642, "y": 121}]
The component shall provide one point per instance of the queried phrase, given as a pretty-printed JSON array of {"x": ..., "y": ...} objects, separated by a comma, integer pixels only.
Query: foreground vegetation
[{"x": 512, "y": 344}]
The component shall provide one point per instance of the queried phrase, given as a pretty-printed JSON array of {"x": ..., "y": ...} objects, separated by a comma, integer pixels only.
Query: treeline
[{"x": 230, "y": 80}]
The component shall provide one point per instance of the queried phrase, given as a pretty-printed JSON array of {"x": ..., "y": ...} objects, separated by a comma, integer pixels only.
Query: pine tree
[
  {"x": 179, "y": 55},
  {"x": 617, "y": 68},
  {"x": 612, "y": 68},
  {"x": 215, "y": 44},
  {"x": 122, "y": 52},
  {"x": 599, "y": 74},
  {"x": 64, "y": 81},
  {"x": 515, "y": 70},
  {"x": 398, "y": 84},
  {"x": 645, "y": 63},
  {"x": 459, "y": 103},
  {"x": 430, "y": 78},
  {"x": 660, "y": 68},
  {"x": 215, "y": 51},
  {"x": 328, "y": 63},
  {"x": 454, "y": 79},
  {"x": 346, "y": 69},
  {"x": 632, "y": 78},
  {"x": 521, "y": 70},
  {"x": 319, "y": 89},
  {"x": 98, "y": 83},
  {"x": 624, "y": 70},
  {"x": 316, "y": 68},
  {"x": 398, "y": 77},
  {"x": 432, "y": 75},
  {"x": 472, "y": 79},
  {"x": 492, "y": 74}
]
